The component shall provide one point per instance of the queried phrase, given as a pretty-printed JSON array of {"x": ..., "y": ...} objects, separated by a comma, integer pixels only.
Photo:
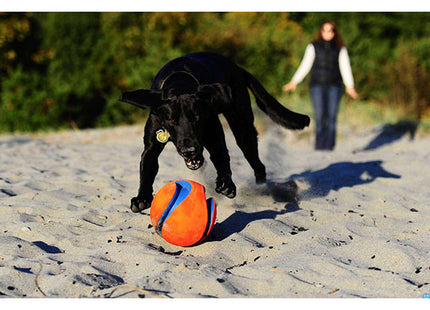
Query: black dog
[{"x": 185, "y": 99}]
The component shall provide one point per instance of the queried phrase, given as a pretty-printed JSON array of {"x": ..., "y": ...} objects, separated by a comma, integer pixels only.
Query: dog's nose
[{"x": 188, "y": 151}]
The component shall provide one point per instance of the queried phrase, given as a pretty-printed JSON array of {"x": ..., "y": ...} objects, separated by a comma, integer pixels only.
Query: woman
[{"x": 328, "y": 61}]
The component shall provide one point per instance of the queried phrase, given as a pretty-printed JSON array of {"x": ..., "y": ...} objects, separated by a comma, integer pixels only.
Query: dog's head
[{"x": 183, "y": 116}]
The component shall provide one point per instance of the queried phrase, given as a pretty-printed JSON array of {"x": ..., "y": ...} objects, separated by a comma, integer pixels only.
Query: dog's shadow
[
  {"x": 320, "y": 183},
  {"x": 341, "y": 175}
]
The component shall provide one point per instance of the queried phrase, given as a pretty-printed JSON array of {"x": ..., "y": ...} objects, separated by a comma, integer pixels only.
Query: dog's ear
[
  {"x": 217, "y": 93},
  {"x": 142, "y": 98}
]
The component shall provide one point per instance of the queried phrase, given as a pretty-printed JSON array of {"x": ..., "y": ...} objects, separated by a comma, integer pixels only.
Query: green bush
[
  {"x": 410, "y": 82},
  {"x": 68, "y": 69},
  {"x": 25, "y": 102}
]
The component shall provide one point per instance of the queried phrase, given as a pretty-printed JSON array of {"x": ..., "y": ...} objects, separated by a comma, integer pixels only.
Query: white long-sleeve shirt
[{"x": 308, "y": 61}]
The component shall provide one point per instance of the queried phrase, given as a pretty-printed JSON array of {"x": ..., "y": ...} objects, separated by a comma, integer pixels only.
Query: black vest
[{"x": 325, "y": 69}]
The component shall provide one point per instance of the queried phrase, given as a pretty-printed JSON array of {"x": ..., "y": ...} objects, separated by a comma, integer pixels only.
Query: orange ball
[{"x": 181, "y": 214}]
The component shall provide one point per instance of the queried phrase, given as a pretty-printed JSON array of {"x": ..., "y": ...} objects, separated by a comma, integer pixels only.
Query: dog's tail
[{"x": 276, "y": 111}]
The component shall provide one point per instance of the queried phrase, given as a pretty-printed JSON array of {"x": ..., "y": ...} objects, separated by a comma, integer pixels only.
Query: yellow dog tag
[{"x": 162, "y": 135}]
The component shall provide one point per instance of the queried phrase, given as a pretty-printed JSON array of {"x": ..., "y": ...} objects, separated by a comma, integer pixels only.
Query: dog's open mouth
[{"x": 193, "y": 164}]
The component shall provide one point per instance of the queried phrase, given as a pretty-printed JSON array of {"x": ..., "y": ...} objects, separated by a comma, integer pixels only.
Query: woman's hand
[
  {"x": 351, "y": 92},
  {"x": 290, "y": 86}
]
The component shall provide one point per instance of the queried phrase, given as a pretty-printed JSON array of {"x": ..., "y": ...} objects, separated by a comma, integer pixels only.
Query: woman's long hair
[{"x": 337, "y": 38}]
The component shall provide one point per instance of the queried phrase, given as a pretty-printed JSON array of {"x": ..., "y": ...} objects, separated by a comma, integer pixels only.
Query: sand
[{"x": 358, "y": 226}]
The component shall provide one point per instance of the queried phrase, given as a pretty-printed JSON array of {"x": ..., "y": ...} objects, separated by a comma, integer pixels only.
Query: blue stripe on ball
[
  {"x": 211, "y": 216},
  {"x": 183, "y": 188}
]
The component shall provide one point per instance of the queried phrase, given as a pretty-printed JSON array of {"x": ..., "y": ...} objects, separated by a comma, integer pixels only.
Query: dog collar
[
  {"x": 179, "y": 73},
  {"x": 162, "y": 135}
]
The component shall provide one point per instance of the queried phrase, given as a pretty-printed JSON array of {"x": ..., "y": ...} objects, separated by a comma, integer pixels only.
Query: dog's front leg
[
  {"x": 148, "y": 171},
  {"x": 214, "y": 141}
]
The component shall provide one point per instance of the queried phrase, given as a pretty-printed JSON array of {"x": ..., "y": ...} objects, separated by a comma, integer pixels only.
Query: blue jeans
[{"x": 325, "y": 101}]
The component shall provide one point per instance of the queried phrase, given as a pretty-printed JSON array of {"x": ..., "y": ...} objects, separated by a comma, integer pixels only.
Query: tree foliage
[{"x": 68, "y": 69}]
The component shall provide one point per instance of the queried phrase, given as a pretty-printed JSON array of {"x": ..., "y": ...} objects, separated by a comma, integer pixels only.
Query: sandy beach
[{"x": 358, "y": 226}]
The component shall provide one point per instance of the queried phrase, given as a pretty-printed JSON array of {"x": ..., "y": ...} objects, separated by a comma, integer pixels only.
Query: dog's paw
[
  {"x": 260, "y": 178},
  {"x": 138, "y": 204},
  {"x": 226, "y": 187}
]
